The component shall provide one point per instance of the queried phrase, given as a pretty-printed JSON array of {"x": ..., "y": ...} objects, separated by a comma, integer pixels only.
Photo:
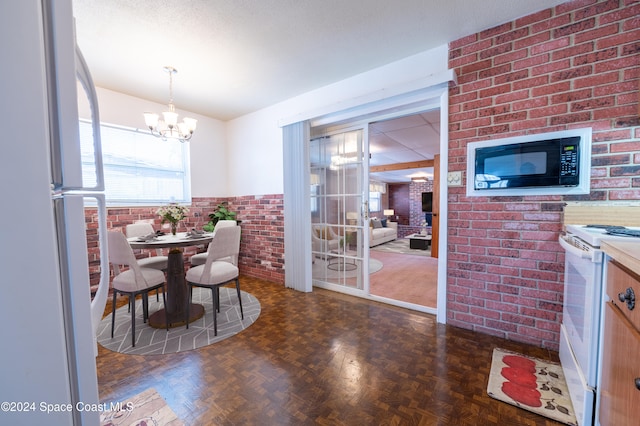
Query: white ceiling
[
  {"x": 237, "y": 56},
  {"x": 234, "y": 57},
  {"x": 403, "y": 140}
]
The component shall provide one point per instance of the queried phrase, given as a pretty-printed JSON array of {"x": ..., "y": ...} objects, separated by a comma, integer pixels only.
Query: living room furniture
[
  {"x": 419, "y": 241},
  {"x": 382, "y": 231},
  {"x": 324, "y": 239},
  {"x": 216, "y": 272},
  {"x": 132, "y": 282},
  {"x": 338, "y": 262}
]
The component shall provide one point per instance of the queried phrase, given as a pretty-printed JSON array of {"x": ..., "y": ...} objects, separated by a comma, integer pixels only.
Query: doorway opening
[
  {"x": 404, "y": 160},
  {"x": 371, "y": 236}
]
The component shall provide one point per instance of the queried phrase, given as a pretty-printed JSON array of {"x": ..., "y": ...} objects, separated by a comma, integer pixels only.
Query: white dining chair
[
  {"x": 201, "y": 258},
  {"x": 217, "y": 272},
  {"x": 133, "y": 281},
  {"x": 142, "y": 229},
  {"x": 159, "y": 261}
]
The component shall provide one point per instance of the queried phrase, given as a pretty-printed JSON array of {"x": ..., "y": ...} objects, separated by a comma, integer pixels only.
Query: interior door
[{"x": 339, "y": 211}]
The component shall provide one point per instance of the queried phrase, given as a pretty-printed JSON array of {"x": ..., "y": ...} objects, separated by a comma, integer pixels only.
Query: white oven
[
  {"x": 580, "y": 324},
  {"x": 581, "y": 315}
]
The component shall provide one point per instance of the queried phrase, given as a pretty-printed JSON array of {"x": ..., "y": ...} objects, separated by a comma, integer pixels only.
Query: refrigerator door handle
[
  {"x": 84, "y": 77},
  {"x": 100, "y": 299}
]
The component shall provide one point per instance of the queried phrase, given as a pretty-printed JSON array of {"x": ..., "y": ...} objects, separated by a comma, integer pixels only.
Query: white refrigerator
[{"x": 47, "y": 357}]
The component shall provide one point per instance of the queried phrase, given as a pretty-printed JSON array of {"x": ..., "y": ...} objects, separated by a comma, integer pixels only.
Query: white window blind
[{"x": 138, "y": 167}]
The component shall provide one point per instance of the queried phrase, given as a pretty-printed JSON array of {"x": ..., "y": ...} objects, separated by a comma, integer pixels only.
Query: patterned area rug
[
  {"x": 147, "y": 408},
  {"x": 336, "y": 268},
  {"x": 154, "y": 341},
  {"x": 531, "y": 384},
  {"x": 401, "y": 245}
]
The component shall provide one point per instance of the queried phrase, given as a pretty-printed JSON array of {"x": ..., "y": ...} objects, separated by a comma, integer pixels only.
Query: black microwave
[{"x": 547, "y": 164}]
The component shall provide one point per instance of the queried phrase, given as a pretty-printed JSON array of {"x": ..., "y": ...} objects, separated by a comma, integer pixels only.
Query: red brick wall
[
  {"x": 573, "y": 66},
  {"x": 409, "y": 196},
  {"x": 262, "y": 243},
  {"x": 415, "y": 190}
]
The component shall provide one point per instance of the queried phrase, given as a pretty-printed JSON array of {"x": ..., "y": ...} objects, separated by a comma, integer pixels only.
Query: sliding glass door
[{"x": 339, "y": 210}]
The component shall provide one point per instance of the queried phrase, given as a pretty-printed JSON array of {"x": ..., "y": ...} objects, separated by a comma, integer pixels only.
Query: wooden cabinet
[{"x": 620, "y": 384}]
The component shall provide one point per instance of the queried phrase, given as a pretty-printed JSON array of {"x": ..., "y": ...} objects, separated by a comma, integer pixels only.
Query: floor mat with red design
[{"x": 532, "y": 384}]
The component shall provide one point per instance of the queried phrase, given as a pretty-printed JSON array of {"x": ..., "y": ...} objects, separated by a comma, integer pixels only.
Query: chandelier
[{"x": 168, "y": 127}]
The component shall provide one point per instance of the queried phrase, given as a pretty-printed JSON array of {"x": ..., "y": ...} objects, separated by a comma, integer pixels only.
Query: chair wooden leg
[
  {"x": 113, "y": 312},
  {"x": 239, "y": 297},
  {"x": 133, "y": 322}
]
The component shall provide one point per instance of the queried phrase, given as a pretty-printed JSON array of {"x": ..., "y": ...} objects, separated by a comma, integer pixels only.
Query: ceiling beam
[{"x": 402, "y": 166}]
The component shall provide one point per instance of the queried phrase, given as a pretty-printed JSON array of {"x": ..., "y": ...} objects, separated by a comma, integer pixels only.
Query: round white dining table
[{"x": 176, "y": 297}]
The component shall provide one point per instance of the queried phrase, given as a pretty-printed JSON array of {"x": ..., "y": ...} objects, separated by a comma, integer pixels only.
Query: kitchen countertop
[{"x": 625, "y": 252}]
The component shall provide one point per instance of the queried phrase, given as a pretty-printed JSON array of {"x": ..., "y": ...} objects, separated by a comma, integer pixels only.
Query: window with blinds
[
  {"x": 139, "y": 169},
  {"x": 375, "y": 204}
]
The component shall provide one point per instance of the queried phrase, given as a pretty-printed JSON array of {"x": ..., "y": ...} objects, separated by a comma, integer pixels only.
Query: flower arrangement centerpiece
[{"x": 173, "y": 213}]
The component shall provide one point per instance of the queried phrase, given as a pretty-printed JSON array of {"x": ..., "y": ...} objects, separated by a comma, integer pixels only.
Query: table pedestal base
[
  {"x": 177, "y": 296},
  {"x": 157, "y": 319}
]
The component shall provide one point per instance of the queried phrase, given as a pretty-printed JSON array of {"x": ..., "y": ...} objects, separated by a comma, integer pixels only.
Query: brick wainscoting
[
  {"x": 576, "y": 65},
  {"x": 262, "y": 222},
  {"x": 262, "y": 244}
]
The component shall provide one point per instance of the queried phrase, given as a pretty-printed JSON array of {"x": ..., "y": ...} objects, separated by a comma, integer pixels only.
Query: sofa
[
  {"x": 382, "y": 231},
  {"x": 325, "y": 239}
]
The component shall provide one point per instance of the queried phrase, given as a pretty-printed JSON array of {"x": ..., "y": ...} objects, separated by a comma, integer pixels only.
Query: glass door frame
[
  {"x": 361, "y": 257},
  {"x": 330, "y": 124},
  {"x": 420, "y": 95}
]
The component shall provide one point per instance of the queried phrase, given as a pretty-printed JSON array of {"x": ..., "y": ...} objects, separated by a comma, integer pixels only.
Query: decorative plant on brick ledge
[{"x": 221, "y": 213}]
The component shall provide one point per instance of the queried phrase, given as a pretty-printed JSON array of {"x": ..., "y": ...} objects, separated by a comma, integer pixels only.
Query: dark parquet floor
[{"x": 322, "y": 358}]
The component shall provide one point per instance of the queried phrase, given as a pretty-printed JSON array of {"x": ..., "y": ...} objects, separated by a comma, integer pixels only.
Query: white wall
[
  {"x": 244, "y": 156},
  {"x": 207, "y": 146},
  {"x": 254, "y": 141}
]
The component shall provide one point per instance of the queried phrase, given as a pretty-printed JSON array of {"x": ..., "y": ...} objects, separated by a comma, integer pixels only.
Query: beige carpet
[
  {"x": 532, "y": 384},
  {"x": 147, "y": 408},
  {"x": 411, "y": 279}
]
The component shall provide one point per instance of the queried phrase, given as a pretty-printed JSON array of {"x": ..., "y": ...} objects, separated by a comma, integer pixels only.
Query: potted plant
[{"x": 220, "y": 213}]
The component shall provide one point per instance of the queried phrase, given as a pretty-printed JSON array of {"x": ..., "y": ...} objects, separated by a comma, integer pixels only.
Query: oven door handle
[{"x": 574, "y": 250}]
